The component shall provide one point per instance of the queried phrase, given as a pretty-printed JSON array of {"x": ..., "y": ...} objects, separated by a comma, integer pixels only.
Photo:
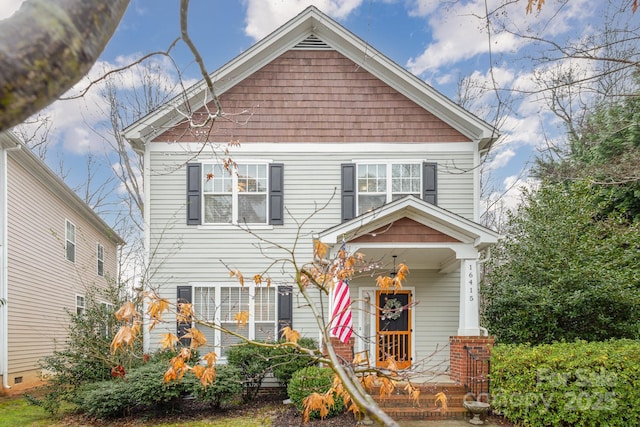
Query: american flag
[{"x": 341, "y": 322}]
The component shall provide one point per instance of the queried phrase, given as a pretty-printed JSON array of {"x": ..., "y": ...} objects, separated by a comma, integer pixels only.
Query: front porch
[{"x": 430, "y": 327}]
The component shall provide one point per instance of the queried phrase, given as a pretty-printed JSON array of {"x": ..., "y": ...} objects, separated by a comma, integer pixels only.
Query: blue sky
[{"x": 439, "y": 41}]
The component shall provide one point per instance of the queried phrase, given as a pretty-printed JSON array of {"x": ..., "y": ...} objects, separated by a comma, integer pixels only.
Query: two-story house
[
  {"x": 336, "y": 143},
  {"x": 52, "y": 247}
]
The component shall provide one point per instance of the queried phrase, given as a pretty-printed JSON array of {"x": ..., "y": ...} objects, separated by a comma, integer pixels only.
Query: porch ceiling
[{"x": 414, "y": 258}]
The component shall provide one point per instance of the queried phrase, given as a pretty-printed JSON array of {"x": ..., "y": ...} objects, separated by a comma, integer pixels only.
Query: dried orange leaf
[
  {"x": 169, "y": 340},
  {"x": 242, "y": 317},
  {"x": 319, "y": 249},
  {"x": 197, "y": 338},
  {"x": 291, "y": 335},
  {"x": 442, "y": 399},
  {"x": 157, "y": 307},
  {"x": 125, "y": 335},
  {"x": 127, "y": 312},
  {"x": 236, "y": 273},
  {"x": 208, "y": 376},
  {"x": 210, "y": 358}
]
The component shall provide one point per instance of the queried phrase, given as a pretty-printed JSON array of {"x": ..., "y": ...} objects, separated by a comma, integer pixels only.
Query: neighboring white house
[
  {"x": 52, "y": 247},
  {"x": 321, "y": 117}
]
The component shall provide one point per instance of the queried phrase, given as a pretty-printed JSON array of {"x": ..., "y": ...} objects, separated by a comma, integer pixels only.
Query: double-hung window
[
  {"x": 70, "y": 241},
  {"x": 80, "y": 305},
  {"x": 239, "y": 197},
  {"x": 221, "y": 304},
  {"x": 380, "y": 183},
  {"x": 100, "y": 258}
]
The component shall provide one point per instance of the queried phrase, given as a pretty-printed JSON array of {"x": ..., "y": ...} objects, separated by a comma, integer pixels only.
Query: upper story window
[
  {"x": 100, "y": 258},
  {"x": 70, "y": 241},
  {"x": 380, "y": 183},
  {"x": 235, "y": 198},
  {"x": 252, "y": 194}
]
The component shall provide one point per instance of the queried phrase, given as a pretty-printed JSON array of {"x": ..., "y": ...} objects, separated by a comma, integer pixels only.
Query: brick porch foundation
[
  {"x": 459, "y": 356},
  {"x": 344, "y": 351}
]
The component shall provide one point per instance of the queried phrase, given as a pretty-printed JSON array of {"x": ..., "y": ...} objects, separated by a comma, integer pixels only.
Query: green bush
[
  {"x": 577, "y": 384},
  {"x": 285, "y": 361},
  {"x": 254, "y": 364},
  {"x": 310, "y": 380},
  {"x": 85, "y": 355},
  {"x": 141, "y": 388},
  {"x": 226, "y": 387}
]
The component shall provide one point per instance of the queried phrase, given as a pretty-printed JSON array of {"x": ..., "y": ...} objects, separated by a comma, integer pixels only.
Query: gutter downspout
[
  {"x": 4, "y": 271},
  {"x": 480, "y": 262}
]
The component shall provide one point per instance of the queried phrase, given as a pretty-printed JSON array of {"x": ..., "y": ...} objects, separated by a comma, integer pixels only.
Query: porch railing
[
  {"x": 476, "y": 379},
  {"x": 395, "y": 344}
]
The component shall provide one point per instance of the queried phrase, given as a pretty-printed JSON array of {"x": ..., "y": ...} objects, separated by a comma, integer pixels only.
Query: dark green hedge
[{"x": 568, "y": 384}]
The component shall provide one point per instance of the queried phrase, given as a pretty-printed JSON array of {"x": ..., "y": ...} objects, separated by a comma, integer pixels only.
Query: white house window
[
  {"x": 220, "y": 304},
  {"x": 235, "y": 198},
  {"x": 80, "y": 304},
  {"x": 380, "y": 183},
  {"x": 70, "y": 241},
  {"x": 107, "y": 310},
  {"x": 100, "y": 258}
]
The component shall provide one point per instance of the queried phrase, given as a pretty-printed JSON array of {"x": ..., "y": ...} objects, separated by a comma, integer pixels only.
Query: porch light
[{"x": 394, "y": 272}]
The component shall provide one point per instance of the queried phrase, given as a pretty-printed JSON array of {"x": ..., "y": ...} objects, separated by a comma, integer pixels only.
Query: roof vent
[{"x": 312, "y": 43}]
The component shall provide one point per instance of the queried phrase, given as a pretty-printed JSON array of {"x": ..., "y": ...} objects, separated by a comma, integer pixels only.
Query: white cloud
[
  {"x": 500, "y": 202},
  {"x": 459, "y": 31},
  {"x": 264, "y": 16},
  {"x": 501, "y": 158},
  {"x": 8, "y": 7}
]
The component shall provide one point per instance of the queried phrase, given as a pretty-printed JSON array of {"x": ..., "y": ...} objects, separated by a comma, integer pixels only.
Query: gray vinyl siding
[
  {"x": 183, "y": 255},
  {"x": 42, "y": 282}
]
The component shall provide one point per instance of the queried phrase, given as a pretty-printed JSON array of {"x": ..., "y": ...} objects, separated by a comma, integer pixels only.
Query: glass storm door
[{"x": 393, "y": 328}]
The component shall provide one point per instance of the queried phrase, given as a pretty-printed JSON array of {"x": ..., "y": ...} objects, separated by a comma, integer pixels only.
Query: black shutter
[
  {"x": 184, "y": 296},
  {"x": 194, "y": 193},
  {"x": 276, "y": 194},
  {"x": 430, "y": 183},
  {"x": 285, "y": 307},
  {"x": 348, "y": 191}
]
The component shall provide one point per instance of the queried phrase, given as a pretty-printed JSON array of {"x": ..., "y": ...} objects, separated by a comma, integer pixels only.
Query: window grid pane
[
  {"x": 247, "y": 187},
  {"x": 405, "y": 179},
  {"x": 100, "y": 257},
  {"x": 264, "y": 305},
  {"x": 70, "y": 241},
  {"x": 233, "y": 301},
  {"x": 204, "y": 303}
]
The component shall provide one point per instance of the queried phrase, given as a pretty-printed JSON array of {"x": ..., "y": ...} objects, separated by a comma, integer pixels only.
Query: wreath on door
[{"x": 392, "y": 309}]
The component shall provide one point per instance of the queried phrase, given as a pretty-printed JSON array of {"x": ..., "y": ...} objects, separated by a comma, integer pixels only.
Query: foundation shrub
[
  {"x": 310, "y": 380},
  {"x": 578, "y": 384}
]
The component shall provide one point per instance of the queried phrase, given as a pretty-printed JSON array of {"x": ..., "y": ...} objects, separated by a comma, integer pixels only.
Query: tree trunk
[{"x": 46, "y": 47}]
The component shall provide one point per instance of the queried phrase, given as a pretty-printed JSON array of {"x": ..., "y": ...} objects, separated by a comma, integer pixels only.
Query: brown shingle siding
[{"x": 319, "y": 96}]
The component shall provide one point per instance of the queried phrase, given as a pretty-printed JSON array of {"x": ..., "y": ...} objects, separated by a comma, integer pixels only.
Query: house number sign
[{"x": 471, "y": 282}]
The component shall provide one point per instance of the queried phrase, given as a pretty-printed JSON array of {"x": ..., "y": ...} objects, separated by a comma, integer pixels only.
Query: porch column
[{"x": 469, "y": 318}]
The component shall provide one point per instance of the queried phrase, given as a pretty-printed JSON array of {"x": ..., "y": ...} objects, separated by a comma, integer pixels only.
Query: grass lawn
[{"x": 15, "y": 411}]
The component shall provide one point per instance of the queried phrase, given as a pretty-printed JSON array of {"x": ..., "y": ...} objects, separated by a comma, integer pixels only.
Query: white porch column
[{"x": 469, "y": 318}]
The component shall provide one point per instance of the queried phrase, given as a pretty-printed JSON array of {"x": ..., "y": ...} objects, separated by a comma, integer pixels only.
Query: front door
[{"x": 393, "y": 328}]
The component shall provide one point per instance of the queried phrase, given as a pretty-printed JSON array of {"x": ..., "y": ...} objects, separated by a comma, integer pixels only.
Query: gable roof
[
  {"x": 422, "y": 235},
  {"x": 55, "y": 184},
  {"x": 433, "y": 217},
  {"x": 315, "y": 30}
]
